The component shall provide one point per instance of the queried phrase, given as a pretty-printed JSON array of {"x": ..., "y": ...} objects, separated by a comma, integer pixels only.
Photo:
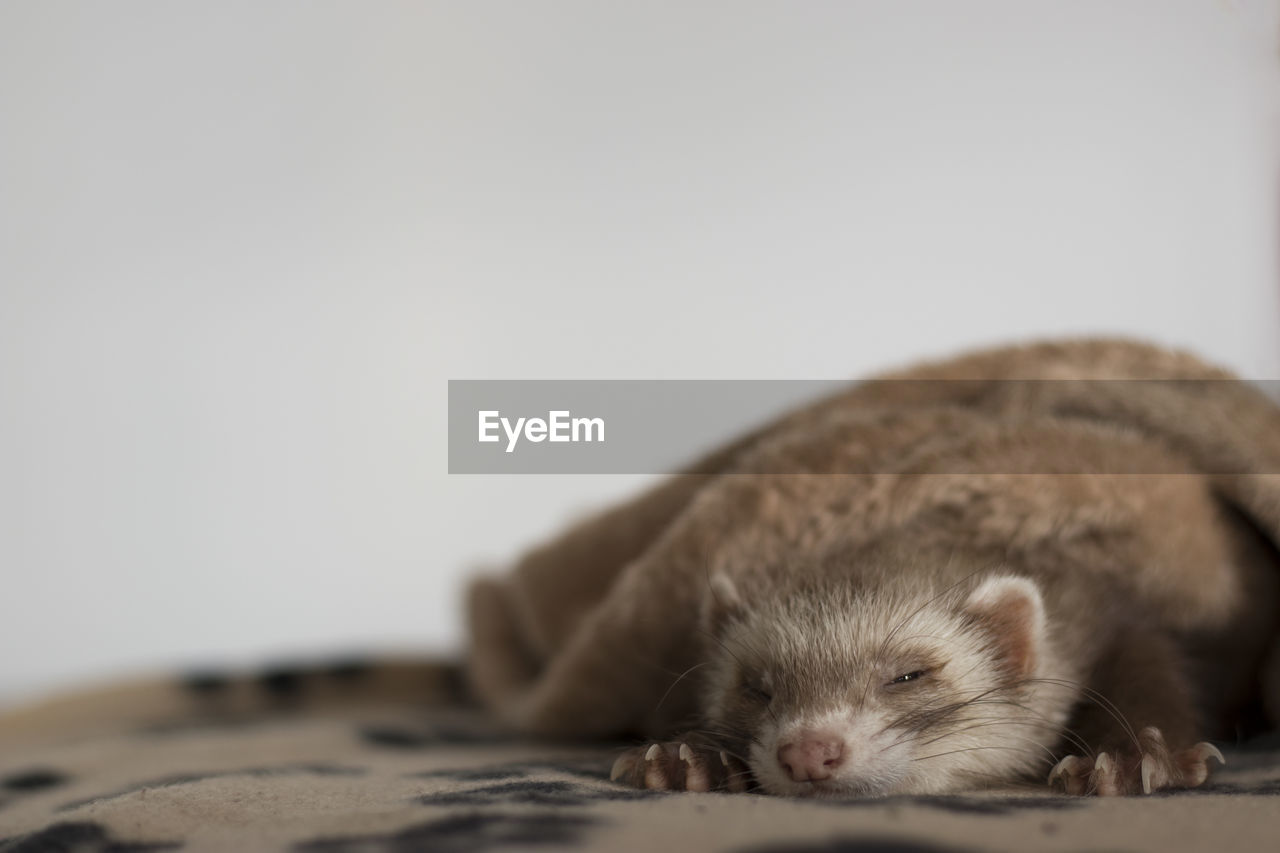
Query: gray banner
[{"x": 662, "y": 426}]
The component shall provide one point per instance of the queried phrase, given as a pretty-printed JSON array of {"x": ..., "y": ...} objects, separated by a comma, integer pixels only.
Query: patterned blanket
[{"x": 443, "y": 779}]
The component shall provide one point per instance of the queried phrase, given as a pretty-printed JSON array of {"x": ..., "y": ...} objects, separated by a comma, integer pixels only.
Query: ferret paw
[
  {"x": 678, "y": 766},
  {"x": 1153, "y": 768}
]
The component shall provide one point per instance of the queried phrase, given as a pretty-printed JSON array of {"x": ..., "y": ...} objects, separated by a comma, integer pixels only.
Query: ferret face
[{"x": 877, "y": 693}]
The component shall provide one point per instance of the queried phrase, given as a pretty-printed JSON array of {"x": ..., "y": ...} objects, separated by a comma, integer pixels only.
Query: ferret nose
[{"x": 812, "y": 756}]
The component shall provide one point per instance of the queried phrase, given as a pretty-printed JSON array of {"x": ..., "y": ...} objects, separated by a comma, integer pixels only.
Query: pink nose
[{"x": 811, "y": 756}]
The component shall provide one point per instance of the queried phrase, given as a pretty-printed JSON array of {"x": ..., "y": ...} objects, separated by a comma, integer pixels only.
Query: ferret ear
[
  {"x": 1010, "y": 610},
  {"x": 722, "y": 605}
]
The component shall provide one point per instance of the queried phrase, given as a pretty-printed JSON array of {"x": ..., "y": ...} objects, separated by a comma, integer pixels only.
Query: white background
[{"x": 243, "y": 245}]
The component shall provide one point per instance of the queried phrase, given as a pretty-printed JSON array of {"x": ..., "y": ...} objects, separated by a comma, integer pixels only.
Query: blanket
[{"x": 442, "y": 778}]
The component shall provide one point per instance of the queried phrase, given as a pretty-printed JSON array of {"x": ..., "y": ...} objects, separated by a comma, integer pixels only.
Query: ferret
[
  {"x": 921, "y": 590},
  {"x": 906, "y": 670}
]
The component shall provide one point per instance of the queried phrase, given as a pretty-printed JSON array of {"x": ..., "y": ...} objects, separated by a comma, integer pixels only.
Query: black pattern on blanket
[{"x": 444, "y": 780}]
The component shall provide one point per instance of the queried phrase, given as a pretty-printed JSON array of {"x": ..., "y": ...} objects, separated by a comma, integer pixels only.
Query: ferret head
[{"x": 899, "y": 687}]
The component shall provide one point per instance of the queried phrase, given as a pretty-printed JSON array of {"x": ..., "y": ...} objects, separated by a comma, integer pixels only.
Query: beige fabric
[{"x": 399, "y": 779}]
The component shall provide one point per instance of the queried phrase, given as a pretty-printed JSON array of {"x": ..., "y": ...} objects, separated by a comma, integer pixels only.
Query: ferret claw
[
  {"x": 1204, "y": 751},
  {"x": 1149, "y": 771},
  {"x": 1194, "y": 761},
  {"x": 679, "y": 766},
  {"x": 1062, "y": 768},
  {"x": 655, "y": 775},
  {"x": 1151, "y": 767},
  {"x": 1104, "y": 776},
  {"x": 696, "y": 777},
  {"x": 1072, "y": 772}
]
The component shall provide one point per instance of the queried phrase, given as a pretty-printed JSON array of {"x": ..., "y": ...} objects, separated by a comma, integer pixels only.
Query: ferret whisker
[
  {"x": 679, "y": 678},
  {"x": 1101, "y": 701},
  {"x": 973, "y": 749},
  {"x": 1068, "y": 734},
  {"x": 927, "y": 721},
  {"x": 716, "y": 742},
  {"x": 648, "y": 663},
  {"x": 978, "y": 723},
  {"x": 1002, "y": 779},
  {"x": 713, "y": 740},
  {"x": 722, "y": 645},
  {"x": 1050, "y": 757}
]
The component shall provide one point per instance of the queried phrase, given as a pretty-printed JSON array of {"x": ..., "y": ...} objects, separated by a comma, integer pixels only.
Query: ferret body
[
  {"x": 928, "y": 661},
  {"x": 864, "y": 605}
]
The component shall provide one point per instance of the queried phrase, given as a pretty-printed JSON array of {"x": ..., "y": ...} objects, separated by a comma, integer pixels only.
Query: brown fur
[{"x": 892, "y": 491}]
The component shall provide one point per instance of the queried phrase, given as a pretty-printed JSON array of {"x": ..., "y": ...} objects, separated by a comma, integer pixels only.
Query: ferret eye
[
  {"x": 910, "y": 676},
  {"x": 758, "y": 693}
]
